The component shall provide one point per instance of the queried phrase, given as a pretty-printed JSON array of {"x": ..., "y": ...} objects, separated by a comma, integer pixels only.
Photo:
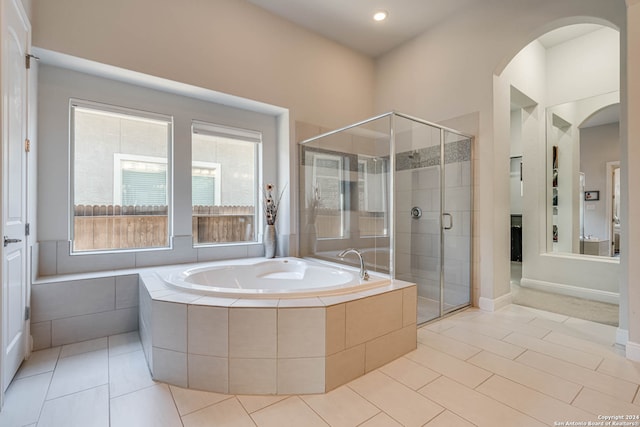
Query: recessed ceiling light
[{"x": 380, "y": 15}]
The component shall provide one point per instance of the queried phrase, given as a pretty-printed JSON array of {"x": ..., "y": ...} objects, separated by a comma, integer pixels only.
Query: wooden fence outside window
[{"x": 100, "y": 227}]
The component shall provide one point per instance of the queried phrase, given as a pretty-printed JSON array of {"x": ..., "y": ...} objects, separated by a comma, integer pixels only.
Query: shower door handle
[{"x": 447, "y": 215}]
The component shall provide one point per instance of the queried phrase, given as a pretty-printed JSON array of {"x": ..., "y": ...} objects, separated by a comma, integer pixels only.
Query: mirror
[{"x": 583, "y": 176}]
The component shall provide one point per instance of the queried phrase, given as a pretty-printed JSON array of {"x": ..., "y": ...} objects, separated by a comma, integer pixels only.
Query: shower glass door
[
  {"x": 456, "y": 221},
  {"x": 418, "y": 213}
]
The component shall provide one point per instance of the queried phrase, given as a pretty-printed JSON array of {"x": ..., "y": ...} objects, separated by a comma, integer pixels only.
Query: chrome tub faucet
[{"x": 364, "y": 275}]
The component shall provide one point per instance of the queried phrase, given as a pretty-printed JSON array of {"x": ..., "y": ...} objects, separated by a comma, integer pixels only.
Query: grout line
[
  {"x": 635, "y": 396},
  {"x": 577, "y": 394}
]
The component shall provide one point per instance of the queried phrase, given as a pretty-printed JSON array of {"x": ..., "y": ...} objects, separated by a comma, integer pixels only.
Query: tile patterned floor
[{"x": 514, "y": 367}]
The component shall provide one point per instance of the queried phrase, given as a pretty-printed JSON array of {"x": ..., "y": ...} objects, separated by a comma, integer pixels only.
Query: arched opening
[{"x": 554, "y": 84}]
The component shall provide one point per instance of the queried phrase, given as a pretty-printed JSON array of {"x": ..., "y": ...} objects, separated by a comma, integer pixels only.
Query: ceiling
[{"x": 350, "y": 22}]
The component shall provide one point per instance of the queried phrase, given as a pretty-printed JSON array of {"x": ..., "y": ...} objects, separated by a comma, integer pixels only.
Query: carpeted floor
[{"x": 570, "y": 306}]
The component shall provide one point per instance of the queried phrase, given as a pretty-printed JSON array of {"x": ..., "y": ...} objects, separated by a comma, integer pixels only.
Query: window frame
[
  {"x": 126, "y": 112},
  {"x": 241, "y": 134}
]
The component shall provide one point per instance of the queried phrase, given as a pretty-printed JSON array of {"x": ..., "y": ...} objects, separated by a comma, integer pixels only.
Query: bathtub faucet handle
[{"x": 364, "y": 275}]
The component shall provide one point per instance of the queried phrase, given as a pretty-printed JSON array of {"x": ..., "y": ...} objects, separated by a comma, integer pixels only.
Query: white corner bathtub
[
  {"x": 275, "y": 278},
  {"x": 279, "y": 326}
]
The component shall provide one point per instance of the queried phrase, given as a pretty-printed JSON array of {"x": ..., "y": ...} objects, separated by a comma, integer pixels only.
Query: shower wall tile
[
  {"x": 426, "y": 178},
  {"x": 457, "y": 199},
  {"x": 452, "y": 175}
]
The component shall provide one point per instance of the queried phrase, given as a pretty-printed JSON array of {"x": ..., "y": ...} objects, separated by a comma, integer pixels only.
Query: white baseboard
[
  {"x": 633, "y": 351},
  {"x": 573, "y": 291},
  {"x": 622, "y": 336},
  {"x": 488, "y": 304}
]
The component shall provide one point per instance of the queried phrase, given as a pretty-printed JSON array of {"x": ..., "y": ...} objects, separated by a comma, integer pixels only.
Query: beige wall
[
  {"x": 229, "y": 46},
  {"x": 450, "y": 71},
  {"x": 630, "y": 159}
]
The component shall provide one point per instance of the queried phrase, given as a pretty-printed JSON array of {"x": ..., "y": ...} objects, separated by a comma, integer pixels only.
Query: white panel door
[{"x": 15, "y": 43}]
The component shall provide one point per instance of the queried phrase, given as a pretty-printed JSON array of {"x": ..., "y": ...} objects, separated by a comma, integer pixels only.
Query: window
[
  {"x": 328, "y": 178},
  {"x": 372, "y": 196},
  {"x": 224, "y": 183},
  {"x": 120, "y": 182}
]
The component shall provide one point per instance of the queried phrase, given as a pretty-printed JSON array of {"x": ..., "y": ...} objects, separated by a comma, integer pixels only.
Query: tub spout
[{"x": 364, "y": 275}]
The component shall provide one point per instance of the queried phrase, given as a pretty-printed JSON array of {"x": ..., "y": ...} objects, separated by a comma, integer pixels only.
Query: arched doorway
[{"x": 553, "y": 84}]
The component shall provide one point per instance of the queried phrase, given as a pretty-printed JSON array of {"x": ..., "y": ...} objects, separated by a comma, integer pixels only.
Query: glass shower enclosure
[{"x": 398, "y": 189}]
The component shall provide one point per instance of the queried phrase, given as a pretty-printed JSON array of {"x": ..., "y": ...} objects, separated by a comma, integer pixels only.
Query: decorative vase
[
  {"x": 312, "y": 239},
  {"x": 269, "y": 241}
]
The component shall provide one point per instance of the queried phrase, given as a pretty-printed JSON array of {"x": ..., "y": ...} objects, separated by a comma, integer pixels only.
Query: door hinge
[
  {"x": 28, "y": 60},
  {"x": 27, "y": 313},
  {"x": 27, "y": 145},
  {"x": 27, "y": 229}
]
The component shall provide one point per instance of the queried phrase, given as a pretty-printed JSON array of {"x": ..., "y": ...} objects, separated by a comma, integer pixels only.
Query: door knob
[{"x": 8, "y": 240}]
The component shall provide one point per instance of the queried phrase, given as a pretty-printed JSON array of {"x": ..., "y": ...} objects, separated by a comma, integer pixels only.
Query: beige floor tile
[
  {"x": 529, "y": 311},
  {"x": 399, "y": 402},
  {"x": 149, "y": 407},
  {"x": 595, "y": 331},
  {"x": 623, "y": 390},
  {"x": 533, "y": 403},
  {"x": 89, "y": 408},
  {"x": 445, "y": 344},
  {"x": 188, "y": 401},
  {"x": 475, "y": 407},
  {"x": 128, "y": 372},
  {"x": 561, "y": 352},
  {"x": 228, "y": 413},
  {"x": 291, "y": 412},
  {"x": 441, "y": 325},
  {"x": 463, "y": 372},
  {"x": 39, "y": 362},
  {"x": 83, "y": 347},
  {"x": 483, "y": 328},
  {"x": 341, "y": 407},
  {"x": 381, "y": 420},
  {"x": 543, "y": 382},
  {"x": 622, "y": 368},
  {"x": 515, "y": 313},
  {"x": 448, "y": 419},
  {"x": 124, "y": 343},
  {"x": 636, "y": 401},
  {"x": 506, "y": 322},
  {"x": 79, "y": 372},
  {"x": 472, "y": 337},
  {"x": 601, "y": 404},
  {"x": 409, "y": 373},
  {"x": 597, "y": 349},
  {"x": 24, "y": 398},
  {"x": 256, "y": 402},
  {"x": 574, "y": 330}
]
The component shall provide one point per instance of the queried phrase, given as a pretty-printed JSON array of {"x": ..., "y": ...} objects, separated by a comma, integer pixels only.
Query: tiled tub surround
[{"x": 273, "y": 346}]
